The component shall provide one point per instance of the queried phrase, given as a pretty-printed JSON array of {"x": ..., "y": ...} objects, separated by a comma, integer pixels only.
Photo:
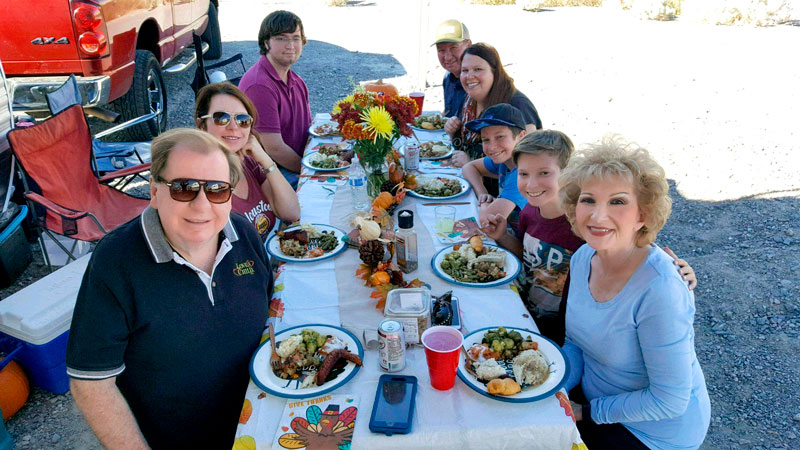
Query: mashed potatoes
[
  {"x": 530, "y": 368},
  {"x": 289, "y": 345},
  {"x": 489, "y": 370}
]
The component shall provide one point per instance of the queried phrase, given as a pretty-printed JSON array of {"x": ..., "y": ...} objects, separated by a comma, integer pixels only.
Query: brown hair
[
  {"x": 208, "y": 92},
  {"x": 278, "y": 22},
  {"x": 503, "y": 86},
  {"x": 195, "y": 140},
  {"x": 552, "y": 142},
  {"x": 615, "y": 157}
]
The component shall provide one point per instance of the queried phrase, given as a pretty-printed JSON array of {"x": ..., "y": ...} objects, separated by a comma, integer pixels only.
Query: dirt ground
[{"x": 717, "y": 106}]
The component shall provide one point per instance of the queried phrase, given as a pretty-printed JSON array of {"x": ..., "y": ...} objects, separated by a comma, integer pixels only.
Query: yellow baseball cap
[{"x": 451, "y": 31}]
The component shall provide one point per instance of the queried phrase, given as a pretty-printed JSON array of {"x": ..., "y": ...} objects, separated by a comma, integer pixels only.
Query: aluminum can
[
  {"x": 391, "y": 346},
  {"x": 411, "y": 155}
]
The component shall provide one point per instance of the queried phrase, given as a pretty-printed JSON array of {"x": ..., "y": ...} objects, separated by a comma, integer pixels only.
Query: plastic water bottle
[{"x": 358, "y": 185}]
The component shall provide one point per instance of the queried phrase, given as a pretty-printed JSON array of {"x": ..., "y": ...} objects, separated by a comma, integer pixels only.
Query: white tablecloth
[{"x": 329, "y": 292}]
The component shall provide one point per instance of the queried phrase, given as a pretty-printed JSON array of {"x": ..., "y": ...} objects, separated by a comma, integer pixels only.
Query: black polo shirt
[
  {"x": 454, "y": 95},
  {"x": 179, "y": 346}
]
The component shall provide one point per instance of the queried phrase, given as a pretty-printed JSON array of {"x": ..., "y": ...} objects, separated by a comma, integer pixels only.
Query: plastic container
[
  {"x": 15, "y": 252},
  {"x": 5, "y": 439},
  {"x": 410, "y": 307},
  {"x": 38, "y": 318}
]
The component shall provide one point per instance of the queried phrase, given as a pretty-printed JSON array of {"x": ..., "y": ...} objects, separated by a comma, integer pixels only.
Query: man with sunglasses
[
  {"x": 172, "y": 306},
  {"x": 280, "y": 95}
]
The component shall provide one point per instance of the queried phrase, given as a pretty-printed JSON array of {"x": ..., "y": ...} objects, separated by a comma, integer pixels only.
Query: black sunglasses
[
  {"x": 222, "y": 118},
  {"x": 186, "y": 189}
]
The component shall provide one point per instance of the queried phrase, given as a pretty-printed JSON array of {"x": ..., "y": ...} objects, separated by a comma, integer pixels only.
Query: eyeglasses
[
  {"x": 283, "y": 40},
  {"x": 222, "y": 119},
  {"x": 186, "y": 189}
]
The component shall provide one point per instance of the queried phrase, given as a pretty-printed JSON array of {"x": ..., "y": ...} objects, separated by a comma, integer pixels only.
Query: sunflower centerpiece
[{"x": 375, "y": 122}]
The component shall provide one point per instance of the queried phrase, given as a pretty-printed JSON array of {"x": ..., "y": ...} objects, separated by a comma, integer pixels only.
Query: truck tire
[
  {"x": 146, "y": 95},
  {"x": 212, "y": 34}
]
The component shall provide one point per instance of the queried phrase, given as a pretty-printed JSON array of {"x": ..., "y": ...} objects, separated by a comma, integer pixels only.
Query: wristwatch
[{"x": 269, "y": 169}]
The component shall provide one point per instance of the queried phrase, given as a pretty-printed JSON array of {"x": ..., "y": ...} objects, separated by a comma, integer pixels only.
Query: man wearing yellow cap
[{"x": 452, "y": 37}]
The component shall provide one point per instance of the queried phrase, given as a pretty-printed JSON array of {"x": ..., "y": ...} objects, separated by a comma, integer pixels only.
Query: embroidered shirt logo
[{"x": 245, "y": 268}]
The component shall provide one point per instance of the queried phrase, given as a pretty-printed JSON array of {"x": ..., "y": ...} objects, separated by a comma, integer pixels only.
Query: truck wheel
[
  {"x": 146, "y": 95},
  {"x": 212, "y": 35}
]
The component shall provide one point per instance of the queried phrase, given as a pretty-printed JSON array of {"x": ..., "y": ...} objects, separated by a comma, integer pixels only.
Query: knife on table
[{"x": 445, "y": 203}]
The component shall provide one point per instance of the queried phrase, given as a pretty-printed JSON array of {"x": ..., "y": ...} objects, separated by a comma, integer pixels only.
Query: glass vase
[{"x": 376, "y": 176}]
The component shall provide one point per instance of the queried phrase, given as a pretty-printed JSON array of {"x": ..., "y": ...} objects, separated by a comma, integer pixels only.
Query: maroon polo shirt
[{"x": 282, "y": 107}]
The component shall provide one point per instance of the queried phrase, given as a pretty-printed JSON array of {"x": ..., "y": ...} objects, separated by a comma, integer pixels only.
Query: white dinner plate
[
  {"x": 416, "y": 128},
  {"x": 402, "y": 151},
  {"x": 306, "y": 161},
  {"x": 512, "y": 268},
  {"x": 555, "y": 357},
  {"x": 273, "y": 245},
  {"x": 332, "y": 123},
  {"x": 263, "y": 376},
  {"x": 465, "y": 187}
]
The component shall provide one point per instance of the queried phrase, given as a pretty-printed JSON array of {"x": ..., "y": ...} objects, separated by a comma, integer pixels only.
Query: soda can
[
  {"x": 412, "y": 156},
  {"x": 391, "y": 346}
]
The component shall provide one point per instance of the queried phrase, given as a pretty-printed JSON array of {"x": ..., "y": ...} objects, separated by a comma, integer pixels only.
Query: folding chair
[
  {"x": 204, "y": 74},
  {"x": 108, "y": 156},
  {"x": 57, "y": 155}
]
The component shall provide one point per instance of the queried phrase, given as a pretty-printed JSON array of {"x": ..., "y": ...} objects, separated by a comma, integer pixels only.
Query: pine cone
[
  {"x": 397, "y": 278},
  {"x": 389, "y": 187},
  {"x": 371, "y": 253}
]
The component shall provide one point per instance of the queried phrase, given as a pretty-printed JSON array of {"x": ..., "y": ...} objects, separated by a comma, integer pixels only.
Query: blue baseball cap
[{"x": 501, "y": 114}]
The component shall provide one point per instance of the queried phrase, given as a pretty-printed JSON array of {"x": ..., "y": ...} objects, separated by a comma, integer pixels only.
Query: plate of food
[
  {"x": 324, "y": 128},
  {"x": 306, "y": 243},
  {"x": 432, "y": 150},
  {"x": 328, "y": 158},
  {"x": 429, "y": 122},
  {"x": 476, "y": 264},
  {"x": 512, "y": 364},
  {"x": 439, "y": 187},
  {"x": 314, "y": 359}
]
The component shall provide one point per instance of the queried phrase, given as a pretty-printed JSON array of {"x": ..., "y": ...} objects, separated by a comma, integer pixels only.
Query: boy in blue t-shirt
[
  {"x": 501, "y": 127},
  {"x": 544, "y": 240}
]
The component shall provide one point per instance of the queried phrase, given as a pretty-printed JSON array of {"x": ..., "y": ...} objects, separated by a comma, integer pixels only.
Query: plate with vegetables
[
  {"x": 476, "y": 264},
  {"x": 306, "y": 243},
  {"x": 429, "y": 122},
  {"x": 512, "y": 364},
  {"x": 439, "y": 187},
  {"x": 314, "y": 359},
  {"x": 328, "y": 158}
]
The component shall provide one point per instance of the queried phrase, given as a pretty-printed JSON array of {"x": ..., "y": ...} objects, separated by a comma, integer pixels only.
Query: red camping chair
[{"x": 57, "y": 155}]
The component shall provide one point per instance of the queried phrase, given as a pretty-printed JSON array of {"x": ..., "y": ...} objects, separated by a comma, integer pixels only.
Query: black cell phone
[{"x": 394, "y": 404}]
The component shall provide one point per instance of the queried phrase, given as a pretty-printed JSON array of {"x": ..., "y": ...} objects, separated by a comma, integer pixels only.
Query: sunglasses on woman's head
[
  {"x": 222, "y": 118},
  {"x": 186, "y": 189}
]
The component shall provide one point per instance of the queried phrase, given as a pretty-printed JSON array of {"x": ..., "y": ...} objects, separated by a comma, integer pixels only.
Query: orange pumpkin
[
  {"x": 383, "y": 200},
  {"x": 381, "y": 88},
  {"x": 380, "y": 277},
  {"x": 14, "y": 389}
]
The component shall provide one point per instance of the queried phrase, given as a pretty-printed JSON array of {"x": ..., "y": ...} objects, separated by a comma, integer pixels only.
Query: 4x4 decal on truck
[{"x": 49, "y": 40}]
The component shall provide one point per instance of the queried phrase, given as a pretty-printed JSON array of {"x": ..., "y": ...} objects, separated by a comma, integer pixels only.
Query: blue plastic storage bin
[{"x": 15, "y": 251}]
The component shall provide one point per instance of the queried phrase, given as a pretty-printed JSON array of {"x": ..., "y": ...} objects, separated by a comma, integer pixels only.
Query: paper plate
[
  {"x": 333, "y": 124},
  {"x": 465, "y": 187},
  {"x": 416, "y": 128},
  {"x": 273, "y": 245},
  {"x": 262, "y": 375},
  {"x": 559, "y": 368},
  {"x": 512, "y": 268},
  {"x": 306, "y": 161}
]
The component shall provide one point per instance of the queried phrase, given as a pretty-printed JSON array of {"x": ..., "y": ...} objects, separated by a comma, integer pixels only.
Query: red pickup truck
[{"x": 117, "y": 49}]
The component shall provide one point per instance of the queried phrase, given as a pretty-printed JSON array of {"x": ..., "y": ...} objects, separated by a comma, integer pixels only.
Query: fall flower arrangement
[{"x": 375, "y": 122}]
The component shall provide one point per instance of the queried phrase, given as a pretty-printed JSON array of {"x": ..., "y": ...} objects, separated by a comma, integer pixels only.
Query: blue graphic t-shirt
[{"x": 508, "y": 182}]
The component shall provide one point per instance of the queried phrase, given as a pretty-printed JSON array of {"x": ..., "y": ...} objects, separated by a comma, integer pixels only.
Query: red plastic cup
[
  {"x": 419, "y": 98},
  {"x": 442, "y": 350}
]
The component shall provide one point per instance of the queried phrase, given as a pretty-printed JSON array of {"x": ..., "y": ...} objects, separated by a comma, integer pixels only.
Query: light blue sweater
[{"x": 634, "y": 355}]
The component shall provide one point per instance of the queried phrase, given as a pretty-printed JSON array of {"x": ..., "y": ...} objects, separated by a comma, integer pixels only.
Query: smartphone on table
[{"x": 393, "y": 408}]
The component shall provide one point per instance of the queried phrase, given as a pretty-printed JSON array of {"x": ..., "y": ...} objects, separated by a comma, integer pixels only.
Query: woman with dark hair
[
  {"x": 487, "y": 84},
  {"x": 227, "y": 113}
]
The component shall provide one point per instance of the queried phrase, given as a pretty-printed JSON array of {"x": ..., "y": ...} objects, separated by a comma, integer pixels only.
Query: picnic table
[{"x": 329, "y": 292}]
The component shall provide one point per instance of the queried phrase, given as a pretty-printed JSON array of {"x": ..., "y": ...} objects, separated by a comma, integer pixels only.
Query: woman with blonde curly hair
[{"x": 629, "y": 335}]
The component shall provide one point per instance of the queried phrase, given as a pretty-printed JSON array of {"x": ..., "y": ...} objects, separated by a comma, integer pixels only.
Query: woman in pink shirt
[{"x": 225, "y": 112}]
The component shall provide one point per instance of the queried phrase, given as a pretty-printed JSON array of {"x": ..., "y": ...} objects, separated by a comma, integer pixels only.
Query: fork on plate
[{"x": 274, "y": 359}]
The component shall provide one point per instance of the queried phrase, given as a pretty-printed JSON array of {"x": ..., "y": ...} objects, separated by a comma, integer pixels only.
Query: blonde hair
[
  {"x": 552, "y": 142},
  {"x": 613, "y": 156},
  {"x": 195, "y": 140}
]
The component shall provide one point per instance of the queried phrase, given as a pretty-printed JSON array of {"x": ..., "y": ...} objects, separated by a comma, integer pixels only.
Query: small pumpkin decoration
[
  {"x": 383, "y": 200},
  {"x": 381, "y": 88},
  {"x": 395, "y": 173},
  {"x": 14, "y": 389},
  {"x": 380, "y": 277}
]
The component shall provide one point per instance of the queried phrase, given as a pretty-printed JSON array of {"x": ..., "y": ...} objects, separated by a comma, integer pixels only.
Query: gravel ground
[{"x": 717, "y": 106}]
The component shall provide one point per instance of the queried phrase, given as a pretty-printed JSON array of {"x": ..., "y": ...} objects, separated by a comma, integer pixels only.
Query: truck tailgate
[{"x": 35, "y": 31}]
